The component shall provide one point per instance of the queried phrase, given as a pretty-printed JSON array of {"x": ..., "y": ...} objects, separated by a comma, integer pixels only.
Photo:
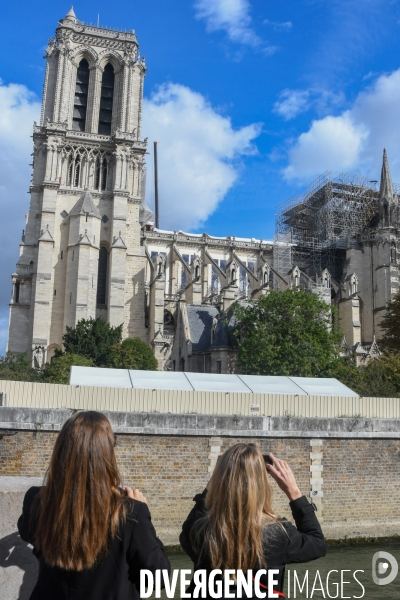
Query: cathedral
[{"x": 90, "y": 249}]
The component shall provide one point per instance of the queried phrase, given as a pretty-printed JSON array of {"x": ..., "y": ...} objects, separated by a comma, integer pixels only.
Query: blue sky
[{"x": 249, "y": 100}]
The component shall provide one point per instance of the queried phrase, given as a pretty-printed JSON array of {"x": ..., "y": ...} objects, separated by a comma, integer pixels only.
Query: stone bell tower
[{"x": 80, "y": 253}]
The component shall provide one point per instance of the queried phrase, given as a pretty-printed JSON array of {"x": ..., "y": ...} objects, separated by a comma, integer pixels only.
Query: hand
[
  {"x": 135, "y": 494},
  {"x": 283, "y": 475}
]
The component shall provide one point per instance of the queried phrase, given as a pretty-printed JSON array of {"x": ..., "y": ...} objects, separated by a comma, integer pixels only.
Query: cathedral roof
[
  {"x": 85, "y": 205},
  {"x": 200, "y": 321}
]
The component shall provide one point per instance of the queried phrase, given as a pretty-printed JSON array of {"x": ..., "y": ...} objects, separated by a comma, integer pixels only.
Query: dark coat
[
  {"x": 114, "y": 577},
  {"x": 283, "y": 543}
]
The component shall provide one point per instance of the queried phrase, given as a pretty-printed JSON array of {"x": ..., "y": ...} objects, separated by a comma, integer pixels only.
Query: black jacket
[
  {"x": 283, "y": 543},
  {"x": 116, "y": 576}
]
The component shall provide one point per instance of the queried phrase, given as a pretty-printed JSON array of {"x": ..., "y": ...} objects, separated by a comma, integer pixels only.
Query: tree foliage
[
  {"x": 93, "y": 339},
  {"x": 380, "y": 377},
  {"x": 16, "y": 366},
  {"x": 58, "y": 370},
  {"x": 391, "y": 326},
  {"x": 132, "y": 353},
  {"x": 286, "y": 333}
]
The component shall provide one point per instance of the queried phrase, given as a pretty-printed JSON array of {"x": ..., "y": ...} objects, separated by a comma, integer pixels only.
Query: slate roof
[
  {"x": 223, "y": 336},
  {"x": 200, "y": 320}
]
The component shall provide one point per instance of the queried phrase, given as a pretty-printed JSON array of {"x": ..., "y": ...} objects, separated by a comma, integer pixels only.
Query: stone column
[
  {"x": 58, "y": 90},
  {"x": 215, "y": 444},
  {"x": 316, "y": 480},
  {"x": 157, "y": 300},
  {"x": 117, "y": 262},
  {"x": 93, "y": 99}
]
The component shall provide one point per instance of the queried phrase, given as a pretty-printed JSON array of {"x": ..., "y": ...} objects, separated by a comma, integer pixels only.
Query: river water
[{"x": 346, "y": 560}]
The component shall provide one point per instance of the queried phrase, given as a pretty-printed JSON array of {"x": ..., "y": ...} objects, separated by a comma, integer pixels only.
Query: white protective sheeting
[
  {"x": 270, "y": 384},
  {"x": 159, "y": 380},
  {"x": 100, "y": 377},
  {"x": 208, "y": 382},
  {"x": 322, "y": 386}
]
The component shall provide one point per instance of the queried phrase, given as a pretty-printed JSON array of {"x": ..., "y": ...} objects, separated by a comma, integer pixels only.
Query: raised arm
[{"x": 306, "y": 540}]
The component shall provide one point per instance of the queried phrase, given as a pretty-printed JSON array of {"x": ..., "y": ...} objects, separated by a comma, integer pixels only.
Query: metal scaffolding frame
[{"x": 319, "y": 225}]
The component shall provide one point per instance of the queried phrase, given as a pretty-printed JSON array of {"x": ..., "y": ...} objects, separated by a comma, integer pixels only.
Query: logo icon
[{"x": 380, "y": 564}]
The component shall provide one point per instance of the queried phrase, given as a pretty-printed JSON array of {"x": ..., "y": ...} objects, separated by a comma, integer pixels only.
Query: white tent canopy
[{"x": 208, "y": 382}]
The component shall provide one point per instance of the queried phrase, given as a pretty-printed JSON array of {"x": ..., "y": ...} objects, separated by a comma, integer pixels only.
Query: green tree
[
  {"x": 57, "y": 371},
  {"x": 132, "y": 353},
  {"x": 286, "y": 333},
  {"x": 391, "y": 326},
  {"x": 380, "y": 377},
  {"x": 92, "y": 338},
  {"x": 16, "y": 366}
]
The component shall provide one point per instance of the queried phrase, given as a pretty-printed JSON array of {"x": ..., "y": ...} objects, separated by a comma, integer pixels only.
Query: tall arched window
[
  {"x": 69, "y": 171},
  {"x": 77, "y": 171},
  {"x": 81, "y": 93},
  {"x": 104, "y": 172},
  {"x": 106, "y": 100},
  {"x": 102, "y": 276},
  {"x": 17, "y": 291},
  {"x": 97, "y": 174}
]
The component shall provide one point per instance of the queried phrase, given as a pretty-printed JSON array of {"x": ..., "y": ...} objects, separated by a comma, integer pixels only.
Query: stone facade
[{"x": 90, "y": 249}]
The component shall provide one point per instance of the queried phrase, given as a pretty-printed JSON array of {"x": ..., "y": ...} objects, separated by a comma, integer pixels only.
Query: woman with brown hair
[
  {"x": 91, "y": 536},
  {"x": 233, "y": 525}
]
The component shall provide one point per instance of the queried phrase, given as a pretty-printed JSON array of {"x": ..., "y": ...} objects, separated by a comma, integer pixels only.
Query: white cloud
[
  {"x": 3, "y": 332},
  {"x": 284, "y": 26},
  {"x": 18, "y": 109},
  {"x": 233, "y": 17},
  {"x": 354, "y": 139},
  {"x": 199, "y": 154},
  {"x": 294, "y": 102}
]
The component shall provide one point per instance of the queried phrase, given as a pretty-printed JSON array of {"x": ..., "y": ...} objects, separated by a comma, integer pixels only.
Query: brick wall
[{"x": 358, "y": 477}]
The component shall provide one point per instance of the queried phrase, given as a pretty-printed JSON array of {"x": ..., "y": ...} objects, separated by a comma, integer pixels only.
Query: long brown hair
[
  {"x": 239, "y": 505},
  {"x": 80, "y": 507}
]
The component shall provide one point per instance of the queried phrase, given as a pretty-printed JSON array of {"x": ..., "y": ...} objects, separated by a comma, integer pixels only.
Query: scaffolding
[{"x": 314, "y": 229}]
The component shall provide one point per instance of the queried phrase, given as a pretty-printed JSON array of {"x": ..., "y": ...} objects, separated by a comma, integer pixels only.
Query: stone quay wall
[{"x": 349, "y": 467}]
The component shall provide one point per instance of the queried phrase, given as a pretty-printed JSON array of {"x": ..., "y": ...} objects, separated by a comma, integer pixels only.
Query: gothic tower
[
  {"x": 386, "y": 276},
  {"x": 80, "y": 253},
  {"x": 371, "y": 272}
]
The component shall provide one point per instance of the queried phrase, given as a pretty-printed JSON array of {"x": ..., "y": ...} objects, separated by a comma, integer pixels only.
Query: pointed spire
[
  {"x": 387, "y": 199},
  {"x": 70, "y": 16},
  {"x": 71, "y": 13},
  {"x": 386, "y": 188}
]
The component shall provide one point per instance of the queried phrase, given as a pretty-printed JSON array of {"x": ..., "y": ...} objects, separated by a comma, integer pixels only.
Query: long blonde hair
[
  {"x": 239, "y": 505},
  {"x": 80, "y": 507}
]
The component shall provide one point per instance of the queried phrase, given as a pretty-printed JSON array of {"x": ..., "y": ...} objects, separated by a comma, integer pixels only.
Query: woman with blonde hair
[
  {"x": 91, "y": 536},
  {"x": 233, "y": 525}
]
